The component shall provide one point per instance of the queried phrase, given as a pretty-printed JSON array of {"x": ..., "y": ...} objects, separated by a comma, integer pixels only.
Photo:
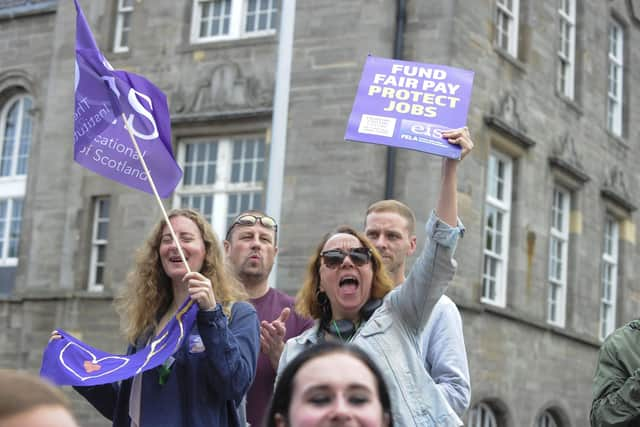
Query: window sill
[
  {"x": 42, "y": 294},
  {"x": 621, "y": 143},
  {"x": 492, "y": 303},
  {"x": 571, "y": 103},
  {"x": 119, "y": 56},
  {"x": 510, "y": 59},
  {"x": 191, "y": 46}
]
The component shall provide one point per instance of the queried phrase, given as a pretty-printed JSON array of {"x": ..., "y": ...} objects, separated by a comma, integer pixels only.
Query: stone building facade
[{"x": 548, "y": 197}]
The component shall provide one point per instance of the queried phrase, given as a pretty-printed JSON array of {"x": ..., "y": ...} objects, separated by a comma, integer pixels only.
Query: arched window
[
  {"x": 15, "y": 142},
  {"x": 481, "y": 415},
  {"x": 15, "y": 122},
  {"x": 546, "y": 420}
]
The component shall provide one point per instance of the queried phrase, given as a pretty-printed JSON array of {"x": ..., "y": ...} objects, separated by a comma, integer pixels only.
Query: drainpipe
[{"x": 398, "y": 45}]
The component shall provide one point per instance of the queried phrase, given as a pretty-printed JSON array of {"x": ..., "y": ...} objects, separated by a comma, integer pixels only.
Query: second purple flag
[{"x": 101, "y": 140}]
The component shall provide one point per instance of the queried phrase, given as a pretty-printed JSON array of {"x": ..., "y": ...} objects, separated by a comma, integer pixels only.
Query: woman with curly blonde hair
[{"x": 204, "y": 382}]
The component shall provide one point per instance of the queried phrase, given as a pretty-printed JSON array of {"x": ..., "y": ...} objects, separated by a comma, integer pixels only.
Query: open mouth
[
  {"x": 349, "y": 284},
  {"x": 175, "y": 258}
]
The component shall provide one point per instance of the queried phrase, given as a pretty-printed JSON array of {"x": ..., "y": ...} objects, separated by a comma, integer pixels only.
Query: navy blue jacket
[{"x": 212, "y": 372}]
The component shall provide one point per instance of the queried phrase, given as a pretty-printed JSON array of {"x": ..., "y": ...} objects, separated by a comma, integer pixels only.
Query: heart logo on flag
[
  {"x": 72, "y": 352},
  {"x": 91, "y": 367}
]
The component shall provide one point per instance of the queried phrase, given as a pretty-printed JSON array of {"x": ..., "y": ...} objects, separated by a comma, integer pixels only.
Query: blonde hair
[
  {"x": 391, "y": 205},
  {"x": 307, "y": 299},
  {"x": 148, "y": 293}
]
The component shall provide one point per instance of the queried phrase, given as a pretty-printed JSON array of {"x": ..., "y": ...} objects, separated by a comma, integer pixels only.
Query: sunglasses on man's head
[
  {"x": 333, "y": 258},
  {"x": 265, "y": 221}
]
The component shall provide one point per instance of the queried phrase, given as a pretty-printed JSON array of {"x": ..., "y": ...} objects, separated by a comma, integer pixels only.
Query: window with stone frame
[
  {"x": 506, "y": 24},
  {"x": 615, "y": 78},
  {"x": 567, "y": 48},
  {"x": 609, "y": 277},
  {"x": 99, "y": 242},
  {"x": 496, "y": 228},
  {"x": 558, "y": 256},
  {"x": 214, "y": 20},
  {"x": 482, "y": 415},
  {"x": 15, "y": 143},
  {"x": 124, "y": 13},
  {"x": 222, "y": 177}
]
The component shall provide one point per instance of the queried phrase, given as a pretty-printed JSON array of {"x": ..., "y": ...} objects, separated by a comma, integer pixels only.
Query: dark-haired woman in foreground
[{"x": 330, "y": 384}]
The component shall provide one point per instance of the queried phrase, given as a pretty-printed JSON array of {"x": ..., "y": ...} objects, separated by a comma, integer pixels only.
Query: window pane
[
  {"x": 100, "y": 233},
  {"x": 99, "y": 276},
  {"x": 3, "y": 225},
  {"x": 14, "y": 231},
  {"x": 103, "y": 211},
  {"x": 248, "y": 161},
  {"x": 200, "y": 163},
  {"x": 103, "y": 231},
  {"x": 261, "y": 15},
  {"x": 101, "y": 253},
  {"x": 9, "y": 139}
]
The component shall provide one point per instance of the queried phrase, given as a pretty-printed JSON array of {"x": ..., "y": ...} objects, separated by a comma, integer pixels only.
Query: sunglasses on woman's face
[
  {"x": 265, "y": 221},
  {"x": 333, "y": 258}
]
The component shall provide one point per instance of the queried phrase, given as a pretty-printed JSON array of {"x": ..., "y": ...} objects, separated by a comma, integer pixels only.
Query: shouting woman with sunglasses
[{"x": 349, "y": 294}]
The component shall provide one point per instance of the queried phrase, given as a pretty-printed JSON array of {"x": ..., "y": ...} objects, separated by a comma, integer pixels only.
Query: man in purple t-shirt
[{"x": 251, "y": 247}]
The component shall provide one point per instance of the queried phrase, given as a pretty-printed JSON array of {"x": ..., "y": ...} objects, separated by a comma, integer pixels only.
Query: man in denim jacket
[{"x": 390, "y": 225}]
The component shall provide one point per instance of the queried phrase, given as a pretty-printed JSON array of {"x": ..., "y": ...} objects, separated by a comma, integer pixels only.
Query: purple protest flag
[
  {"x": 104, "y": 98},
  {"x": 69, "y": 361},
  {"x": 409, "y": 104}
]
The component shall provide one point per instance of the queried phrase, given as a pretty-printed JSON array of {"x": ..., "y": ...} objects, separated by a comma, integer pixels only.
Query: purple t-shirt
[{"x": 269, "y": 306}]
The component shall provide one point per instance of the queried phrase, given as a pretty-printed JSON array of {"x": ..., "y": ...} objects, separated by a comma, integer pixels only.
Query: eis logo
[{"x": 422, "y": 132}]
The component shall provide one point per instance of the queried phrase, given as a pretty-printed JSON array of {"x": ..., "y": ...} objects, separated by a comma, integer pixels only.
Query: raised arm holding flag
[{"x": 193, "y": 342}]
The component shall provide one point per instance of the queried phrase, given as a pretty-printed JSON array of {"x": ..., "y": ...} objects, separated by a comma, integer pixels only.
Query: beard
[{"x": 254, "y": 270}]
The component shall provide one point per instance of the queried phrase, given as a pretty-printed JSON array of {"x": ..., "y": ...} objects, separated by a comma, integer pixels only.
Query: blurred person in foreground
[
  {"x": 29, "y": 401},
  {"x": 332, "y": 384},
  {"x": 616, "y": 383}
]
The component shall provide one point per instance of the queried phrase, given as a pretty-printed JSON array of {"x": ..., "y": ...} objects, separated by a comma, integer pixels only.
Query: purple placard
[
  {"x": 101, "y": 140},
  {"x": 408, "y": 105}
]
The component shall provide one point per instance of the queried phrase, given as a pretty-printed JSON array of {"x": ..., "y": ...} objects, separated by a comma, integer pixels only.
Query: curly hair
[
  {"x": 307, "y": 299},
  {"x": 148, "y": 293}
]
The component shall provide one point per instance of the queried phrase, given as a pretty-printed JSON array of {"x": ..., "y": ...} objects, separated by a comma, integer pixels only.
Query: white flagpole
[{"x": 155, "y": 193}]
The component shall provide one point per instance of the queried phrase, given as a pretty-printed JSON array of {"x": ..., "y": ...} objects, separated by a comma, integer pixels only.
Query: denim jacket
[{"x": 391, "y": 336}]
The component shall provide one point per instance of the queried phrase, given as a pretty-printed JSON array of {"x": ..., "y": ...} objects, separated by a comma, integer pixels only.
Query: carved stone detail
[
  {"x": 565, "y": 157},
  {"x": 615, "y": 181},
  {"x": 565, "y": 149},
  {"x": 507, "y": 111},
  {"x": 224, "y": 89},
  {"x": 504, "y": 117},
  {"x": 615, "y": 188}
]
